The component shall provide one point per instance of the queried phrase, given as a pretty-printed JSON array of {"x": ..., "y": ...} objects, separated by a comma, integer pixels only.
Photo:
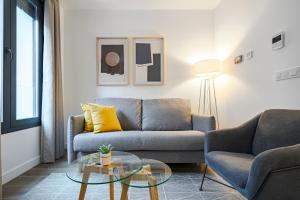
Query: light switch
[
  {"x": 293, "y": 73},
  {"x": 278, "y": 76},
  {"x": 249, "y": 55},
  {"x": 287, "y": 74}
]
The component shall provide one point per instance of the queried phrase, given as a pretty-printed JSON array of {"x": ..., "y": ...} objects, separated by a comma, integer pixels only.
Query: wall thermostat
[{"x": 278, "y": 41}]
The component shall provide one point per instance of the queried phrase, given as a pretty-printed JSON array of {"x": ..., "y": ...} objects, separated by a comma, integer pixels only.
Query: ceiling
[{"x": 140, "y": 4}]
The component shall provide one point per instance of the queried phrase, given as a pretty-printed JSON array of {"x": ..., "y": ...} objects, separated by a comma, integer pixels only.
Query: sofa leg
[
  {"x": 202, "y": 167},
  {"x": 203, "y": 177}
]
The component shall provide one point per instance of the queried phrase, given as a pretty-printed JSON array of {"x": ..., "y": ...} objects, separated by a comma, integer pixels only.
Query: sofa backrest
[
  {"x": 129, "y": 111},
  {"x": 166, "y": 115},
  {"x": 276, "y": 128}
]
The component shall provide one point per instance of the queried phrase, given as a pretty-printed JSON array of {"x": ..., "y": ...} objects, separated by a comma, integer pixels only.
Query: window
[
  {"x": 1, "y": 59},
  {"x": 23, "y": 40}
]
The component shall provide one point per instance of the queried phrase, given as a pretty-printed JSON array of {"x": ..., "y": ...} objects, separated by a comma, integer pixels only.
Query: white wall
[
  {"x": 234, "y": 28},
  {"x": 189, "y": 37},
  {"x": 20, "y": 152},
  {"x": 249, "y": 88}
]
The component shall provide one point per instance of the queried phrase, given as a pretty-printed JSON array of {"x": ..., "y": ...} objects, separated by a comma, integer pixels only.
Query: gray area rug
[{"x": 181, "y": 186}]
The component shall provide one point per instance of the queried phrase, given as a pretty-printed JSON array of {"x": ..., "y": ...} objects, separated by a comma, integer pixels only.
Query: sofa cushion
[
  {"x": 88, "y": 121},
  {"x": 233, "y": 167},
  {"x": 104, "y": 118},
  {"x": 173, "y": 140},
  {"x": 122, "y": 140},
  {"x": 276, "y": 128},
  {"x": 166, "y": 115},
  {"x": 129, "y": 111}
]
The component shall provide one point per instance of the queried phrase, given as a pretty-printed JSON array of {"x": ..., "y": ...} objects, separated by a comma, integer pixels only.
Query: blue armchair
[{"x": 261, "y": 158}]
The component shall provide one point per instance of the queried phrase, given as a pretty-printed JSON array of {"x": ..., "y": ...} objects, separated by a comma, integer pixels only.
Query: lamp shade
[{"x": 209, "y": 67}]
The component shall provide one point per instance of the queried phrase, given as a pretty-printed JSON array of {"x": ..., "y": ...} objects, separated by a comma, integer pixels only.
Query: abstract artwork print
[
  {"x": 148, "y": 61},
  {"x": 112, "y": 61}
]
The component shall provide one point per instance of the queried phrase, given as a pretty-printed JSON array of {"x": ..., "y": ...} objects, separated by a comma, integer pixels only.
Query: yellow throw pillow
[
  {"x": 104, "y": 118},
  {"x": 88, "y": 122}
]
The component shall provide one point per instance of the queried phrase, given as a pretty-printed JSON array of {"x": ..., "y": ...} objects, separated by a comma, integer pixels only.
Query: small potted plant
[{"x": 105, "y": 154}]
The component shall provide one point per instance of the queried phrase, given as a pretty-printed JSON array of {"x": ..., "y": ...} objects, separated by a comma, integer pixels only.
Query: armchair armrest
[
  {"x": 203, "y": 123},
  {"x": 75, "y": 126},
  {"x": 237, "y": 139},
  {"x": 273, "y": 160}
]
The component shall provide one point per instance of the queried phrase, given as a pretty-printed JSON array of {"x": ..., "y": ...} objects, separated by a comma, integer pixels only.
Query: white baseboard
[{"x": 20, "y": 169}]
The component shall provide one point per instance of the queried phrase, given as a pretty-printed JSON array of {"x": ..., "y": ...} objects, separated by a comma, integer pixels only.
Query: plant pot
[{"x": 105, "y": 159}]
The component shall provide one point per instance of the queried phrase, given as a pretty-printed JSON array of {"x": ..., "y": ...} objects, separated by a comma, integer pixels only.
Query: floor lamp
[{"x": 207, "y": 70}]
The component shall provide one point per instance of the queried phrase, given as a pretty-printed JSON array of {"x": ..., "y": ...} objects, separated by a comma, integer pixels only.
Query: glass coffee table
[
  {"x": 152, "y": 174},
  {"x": 87, "y": 170}
]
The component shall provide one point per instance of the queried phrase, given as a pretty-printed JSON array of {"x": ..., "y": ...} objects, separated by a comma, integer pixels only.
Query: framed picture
[
  {"x": 112, "y": 61},
  {"x": 148, "y": 60}
]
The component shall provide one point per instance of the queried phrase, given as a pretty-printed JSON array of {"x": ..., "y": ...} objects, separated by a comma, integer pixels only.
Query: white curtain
[{"x": 52, "y": 128}]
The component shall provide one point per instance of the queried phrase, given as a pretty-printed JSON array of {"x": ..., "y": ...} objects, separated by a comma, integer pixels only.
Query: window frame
[{"x": 10, "y": 122}]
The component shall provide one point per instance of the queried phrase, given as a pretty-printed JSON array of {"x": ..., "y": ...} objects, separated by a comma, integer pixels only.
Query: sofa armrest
[
  {"x": 203, "y": 123},
  {"x": 75, "y": 126},
  {"x": 272, "y": 160},
  {"x": 237, "y": 139}
]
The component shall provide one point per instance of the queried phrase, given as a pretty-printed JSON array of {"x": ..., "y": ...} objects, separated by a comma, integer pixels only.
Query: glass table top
[
  {"x": 153, "y": 173},
  {"x": 88, "y": 169}
]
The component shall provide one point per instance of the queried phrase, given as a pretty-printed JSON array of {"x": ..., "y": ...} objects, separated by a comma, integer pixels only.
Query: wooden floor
[{"x": 18, "y": 187}]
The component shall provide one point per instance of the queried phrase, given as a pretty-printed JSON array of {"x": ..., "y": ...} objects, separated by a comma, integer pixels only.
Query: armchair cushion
[
  {"x": 277, "y": 128},
  {"x": 233, "y": 167},
  {"x": 237, "y": 139}
]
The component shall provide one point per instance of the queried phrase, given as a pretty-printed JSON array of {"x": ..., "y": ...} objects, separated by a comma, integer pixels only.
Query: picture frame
[
  {"x": 148, "y": 60},
  {"x": 112, "y": 61}
]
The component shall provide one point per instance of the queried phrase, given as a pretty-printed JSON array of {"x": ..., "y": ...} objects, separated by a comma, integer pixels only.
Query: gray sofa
[
  {"x": 261, "y": 158},
  {"x": 162, "y": 129}
]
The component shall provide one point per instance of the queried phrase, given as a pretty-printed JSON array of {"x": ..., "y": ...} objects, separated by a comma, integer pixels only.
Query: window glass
[{"x": 26, "y": 61}]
